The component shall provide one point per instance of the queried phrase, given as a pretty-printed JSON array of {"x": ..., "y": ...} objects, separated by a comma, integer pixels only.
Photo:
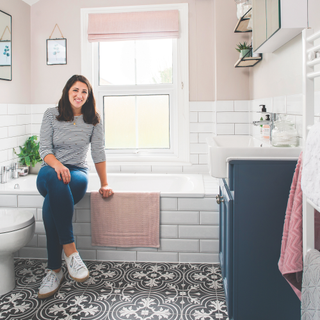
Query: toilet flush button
[{"x": 16, "y": 186}]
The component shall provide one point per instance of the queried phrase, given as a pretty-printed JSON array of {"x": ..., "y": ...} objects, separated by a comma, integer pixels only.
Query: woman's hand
[
  {"x": 63, "y": 173},
  {"x": 105, "y": 191}
]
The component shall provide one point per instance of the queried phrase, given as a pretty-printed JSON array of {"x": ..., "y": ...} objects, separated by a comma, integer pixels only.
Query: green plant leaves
[
  {"x": 242, "y": 46},
  {"x": 29, "y": 152}
]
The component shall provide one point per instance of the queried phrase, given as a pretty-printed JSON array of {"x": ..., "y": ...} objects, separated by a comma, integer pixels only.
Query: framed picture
[
  {"x": 56, "y": 51},
  {"x": 5, "y": 53}
]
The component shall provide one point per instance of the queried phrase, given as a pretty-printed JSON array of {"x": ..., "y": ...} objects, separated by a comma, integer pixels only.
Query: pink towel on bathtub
[
  {"x": 290, "y": 262},
  {"x": 126, "y": 219}
]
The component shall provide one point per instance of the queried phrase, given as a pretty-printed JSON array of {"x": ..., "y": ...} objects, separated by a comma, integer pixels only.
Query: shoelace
[
  {"x": 77, "y": 263},
  {"x": 48, "y": 279}
]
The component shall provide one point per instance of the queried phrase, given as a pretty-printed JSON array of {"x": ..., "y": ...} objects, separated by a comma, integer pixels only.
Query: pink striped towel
[
  {"x": 126, "y": 219},
  {"x": 290, "y": 262}
]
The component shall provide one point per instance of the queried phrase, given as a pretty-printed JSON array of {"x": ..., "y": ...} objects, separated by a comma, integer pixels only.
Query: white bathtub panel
[
  {"x": 168, "y": 231},
  {"x": 179, "y": 245},
  {"x": 198, "y": 258},
  {"x": 109, "y": 255},
  {"x": 209, "y": 246},
  {"x": 30, "y": 201},
  {"x": 88, "y": 254},
  {"x": 168, "y": 204},
  {"x": 39, "y": 228},
  {"x": 209, "y": 218},
  {"x": 171, "y": 229},
  {"x": 27, "y": 252},
  {"x": 84, "y": 203},
  {"x": 84, "y": 242},
  {"x": 199, "y": 232},
  {"x": 42, "y": 241},
  {"x": 179, "y": 217},
  {"x": 82, "y": 215},
  {"x": 136, "y": 249},
  {"x": 8, "y": 201},
  {"x": 196, "y": 204},
  {"x": 83, "y": 229}
]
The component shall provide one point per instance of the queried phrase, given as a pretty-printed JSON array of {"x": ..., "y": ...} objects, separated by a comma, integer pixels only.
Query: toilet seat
[{"x": 15, "y": 219}]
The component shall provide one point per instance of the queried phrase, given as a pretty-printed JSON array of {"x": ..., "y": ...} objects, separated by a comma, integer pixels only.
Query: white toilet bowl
[{"x": 16, "y": 230}]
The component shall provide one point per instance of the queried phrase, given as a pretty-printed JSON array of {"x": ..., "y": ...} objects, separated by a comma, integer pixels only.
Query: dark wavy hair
[{"x": 89, "y": 111}]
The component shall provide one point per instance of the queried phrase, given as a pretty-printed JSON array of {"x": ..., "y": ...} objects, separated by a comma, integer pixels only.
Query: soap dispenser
[{"x": 266, "y": 128}]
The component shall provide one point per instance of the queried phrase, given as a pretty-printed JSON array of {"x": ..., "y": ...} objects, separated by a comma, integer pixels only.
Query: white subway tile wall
[{"x": 19, "y": 121}]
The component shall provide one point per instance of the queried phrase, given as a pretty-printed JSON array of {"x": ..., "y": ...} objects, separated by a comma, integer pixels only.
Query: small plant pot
[
  {"x": 35, "y": 169},
  {"x": 24, "y": 170},
  {"x": 245, "y": 52}
]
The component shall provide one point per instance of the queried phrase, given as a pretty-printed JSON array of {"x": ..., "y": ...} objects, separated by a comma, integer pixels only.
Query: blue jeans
[{"x": 58, "y": 207}]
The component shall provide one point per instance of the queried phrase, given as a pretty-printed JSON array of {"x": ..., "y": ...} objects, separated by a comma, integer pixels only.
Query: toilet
[{"x": 16, "y": 230}]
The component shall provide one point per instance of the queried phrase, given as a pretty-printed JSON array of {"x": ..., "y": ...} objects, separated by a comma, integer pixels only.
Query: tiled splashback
[{"x": 18, "y": 122}]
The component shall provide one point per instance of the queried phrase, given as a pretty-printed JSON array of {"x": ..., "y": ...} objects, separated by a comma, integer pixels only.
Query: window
[{"x": 141, "y": 88}]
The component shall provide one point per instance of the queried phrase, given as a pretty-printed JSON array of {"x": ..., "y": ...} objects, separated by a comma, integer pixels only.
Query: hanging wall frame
[{"x": 56, "y": 49}]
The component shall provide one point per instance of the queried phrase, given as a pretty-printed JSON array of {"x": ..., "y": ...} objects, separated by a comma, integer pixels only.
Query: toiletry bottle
[
  {"x": 266, "y": 128},
  {"x": 263, "y": 107}
]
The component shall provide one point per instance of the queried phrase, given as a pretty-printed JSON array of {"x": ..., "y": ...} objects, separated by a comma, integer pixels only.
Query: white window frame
[{"x": 179, "y": 117}]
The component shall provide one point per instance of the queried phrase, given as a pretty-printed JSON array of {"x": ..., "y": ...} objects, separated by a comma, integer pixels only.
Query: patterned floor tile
[{"x": 120, "y": 290}]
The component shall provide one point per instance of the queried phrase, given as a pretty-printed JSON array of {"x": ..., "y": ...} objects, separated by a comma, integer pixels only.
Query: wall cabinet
[
  {"x": 251, "y": 223},
  {"x": 275, "y": 22}
]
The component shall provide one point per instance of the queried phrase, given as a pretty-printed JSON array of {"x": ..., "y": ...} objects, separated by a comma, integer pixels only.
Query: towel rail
[
  {"x": 312, "y": 75},
  {"x": 308, "y": 76},
  {"x": 314, "y": 49},
  {"x": 313, "y": 36},
  {"x": 313, "y": 62}
]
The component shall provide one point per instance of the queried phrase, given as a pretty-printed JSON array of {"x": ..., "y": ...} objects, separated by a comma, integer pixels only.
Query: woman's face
[{"x": 78, "y": 95}]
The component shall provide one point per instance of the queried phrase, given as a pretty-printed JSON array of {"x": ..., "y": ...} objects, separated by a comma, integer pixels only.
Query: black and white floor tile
[{"x": 120, "y": 290}]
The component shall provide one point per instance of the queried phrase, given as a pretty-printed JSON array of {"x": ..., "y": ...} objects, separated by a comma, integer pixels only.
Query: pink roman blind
[{"x": 133, "y": 25}]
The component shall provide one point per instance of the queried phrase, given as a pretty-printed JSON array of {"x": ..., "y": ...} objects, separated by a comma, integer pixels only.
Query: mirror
[
  {"x": 266, "y": 20},
  {"x": 5, "y": 46}
]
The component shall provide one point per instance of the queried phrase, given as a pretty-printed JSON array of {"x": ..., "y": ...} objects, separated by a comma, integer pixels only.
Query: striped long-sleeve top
[{"x": 69, "y": 141}]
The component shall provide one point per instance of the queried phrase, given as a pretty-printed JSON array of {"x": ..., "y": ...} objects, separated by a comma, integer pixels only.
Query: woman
[{"x": 65, "y": 135}]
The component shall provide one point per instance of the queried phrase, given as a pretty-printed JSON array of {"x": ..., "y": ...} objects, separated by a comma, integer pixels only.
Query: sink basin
[{"x": 222, "y": 149}]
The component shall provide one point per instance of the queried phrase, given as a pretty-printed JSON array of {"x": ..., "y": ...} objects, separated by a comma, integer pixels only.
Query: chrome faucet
[
  {"x": 16, "y": 170},
  {"x": 4, "y": 176},
  {"x": 271, "y": 118}
]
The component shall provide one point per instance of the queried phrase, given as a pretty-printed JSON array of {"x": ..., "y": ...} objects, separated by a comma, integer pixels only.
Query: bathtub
[{"x": 169, "y": 185}]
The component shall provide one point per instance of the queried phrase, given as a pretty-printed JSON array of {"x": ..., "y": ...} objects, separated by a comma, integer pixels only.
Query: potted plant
[
  {"x": 244, "y": 49},
  {"x": 29, "y": 154}
]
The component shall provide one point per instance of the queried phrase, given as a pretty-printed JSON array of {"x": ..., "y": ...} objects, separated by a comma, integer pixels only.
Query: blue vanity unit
[{"x": 252, "y": 211}]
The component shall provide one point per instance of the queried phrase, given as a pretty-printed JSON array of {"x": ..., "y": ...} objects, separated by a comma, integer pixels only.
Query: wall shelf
[
  {"x": 242, "y": 27},
  {"x": 247, "y": 62},
  {"x": 242, "y": 24}
]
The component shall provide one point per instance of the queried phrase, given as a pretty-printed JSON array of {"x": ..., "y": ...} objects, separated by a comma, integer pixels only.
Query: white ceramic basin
[{"x": 222, "y": 149}]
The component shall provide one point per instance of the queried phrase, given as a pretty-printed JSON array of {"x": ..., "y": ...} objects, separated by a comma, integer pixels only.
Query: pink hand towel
[
  {"x": 125, "y": 219},
  {"x": 290, "y": 262}
]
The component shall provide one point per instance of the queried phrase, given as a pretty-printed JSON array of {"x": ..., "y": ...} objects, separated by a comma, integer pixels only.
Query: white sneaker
[
  {"x": 50, "y": 284},
  {"x": 76, "y": 267}
]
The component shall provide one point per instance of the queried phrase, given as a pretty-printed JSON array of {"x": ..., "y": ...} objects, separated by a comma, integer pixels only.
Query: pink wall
[
  {"x": 212, "y": 75},
  {"x": 18, "y": 90},
  {"x": 231, "y": 83},
  {"x": 48, "y": 81}
]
